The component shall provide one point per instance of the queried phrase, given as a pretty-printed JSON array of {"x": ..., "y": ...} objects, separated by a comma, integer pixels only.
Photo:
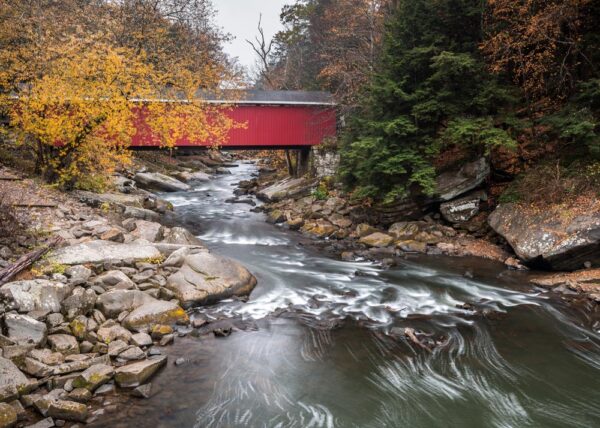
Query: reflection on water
[{"x": 527, "y": 363}]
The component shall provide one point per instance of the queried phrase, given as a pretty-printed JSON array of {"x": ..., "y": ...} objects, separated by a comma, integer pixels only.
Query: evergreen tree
[{"x": 431, "y": 89}]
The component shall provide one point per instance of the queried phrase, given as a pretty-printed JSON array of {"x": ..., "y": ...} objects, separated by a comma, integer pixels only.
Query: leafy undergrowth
[{"x": 566, "y": 190}]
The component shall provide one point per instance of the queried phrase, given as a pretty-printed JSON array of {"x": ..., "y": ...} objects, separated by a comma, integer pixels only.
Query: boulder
[
  {"x": 78, "y": 274},
  {"x": 287, "y": 188},
  {"x": 63, "y": 343},
  {"x": 364, "y": 229},
  {"x": 116, "y": 347},
  {"x": 180, "y": 236},
  {"x": 404, "y": 230},
  {"x": 157, "y": 312},
  {"x": 451, "y": 184},
  {"x": 141, "y": 339},
  {"x": 81, "y": 395},
  {"x": 113, "y": 234},
  {"x": 340, "y": 221},
  {"x": 206, "y": 278},
  {"x": 111, "y": 332},
  {"x": 140, "y": 213},
  {"x": 132, "y": 353},
  {"x": 377, "y": 239},
  {"x": 160, "y": 182},
  {"x": 122, "y": 184},
  {"x": 190, "y": 177},
  {"x": 11, "y": 376},
  {"x": 36, "y": 295},
  {"x": 177, "y": 257},
  {"x": 36, "y": 368},
  {"x": 47, "y": 357},
  {"x": 148, "y": 230},
  {"x": 275, "y": 217},
  {"x": 113, "y": 277},
  {"x": 8, "y": 416},
  {"x": 114, "y": 302},
  {"x": 104, "y": 251},
  {"x": 168, "y": 249},
  {"x": 548, "y": 238},
  {"x": 142, "y": 391},
  {"x": 68, "y": 410},
  {"x": 320, "y": 228},
  {"x": 135, "y": 374},
  {"x": 23, "y": 329},
  {"x": 80, "y": 302},
  {"x": 81, "y": 326},
  {"x": 462, "y": 209},
  {"x": 94, "y": 377},
  {"x": 410, "y": 246}
]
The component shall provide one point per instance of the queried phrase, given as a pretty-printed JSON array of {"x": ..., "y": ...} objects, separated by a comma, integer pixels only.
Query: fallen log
[{"x": 26, "y": 260}]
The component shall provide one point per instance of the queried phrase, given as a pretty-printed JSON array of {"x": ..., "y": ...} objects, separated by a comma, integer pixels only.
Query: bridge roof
[{"x": 256, "y": 97}]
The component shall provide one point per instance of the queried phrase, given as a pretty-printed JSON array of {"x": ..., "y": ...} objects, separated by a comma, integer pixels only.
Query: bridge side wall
[{"x": 266, "y": 126}]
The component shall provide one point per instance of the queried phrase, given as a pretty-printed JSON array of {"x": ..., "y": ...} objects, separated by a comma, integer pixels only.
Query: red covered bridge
[{"x": 274, "y": 119}]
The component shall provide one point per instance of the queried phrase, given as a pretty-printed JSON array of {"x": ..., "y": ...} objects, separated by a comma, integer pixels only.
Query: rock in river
[
  {"x": 135, "y": 374},
  {"x": 157, "y": 312},
  {"x": 288, "y": 188},
  {"x": 206, "y": 278},
  {"x": 549, "y": 238},
  {"x": 68, "y": 410},
  {"x": 94, "y": 377},
  {"x": 160, "y": 182},
  {"x": 377, "y": 239},
  {"x": 104, "y": 251}
]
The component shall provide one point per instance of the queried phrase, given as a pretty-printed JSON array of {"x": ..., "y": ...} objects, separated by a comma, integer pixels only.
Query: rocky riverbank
[
  {"x": 88, "y": 321},
  {"x": 461, "y": 221}
]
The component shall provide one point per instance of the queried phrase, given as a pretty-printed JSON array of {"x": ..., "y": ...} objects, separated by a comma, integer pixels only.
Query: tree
[
  {"x": 82, "y": 113},
  {"x": 540, "y": 44},
  {"x": 328, "y": 45},
  {"x": 76, "y": 80},
  {"x": 264, "y": 68},
  {"x": 551, "y": 50},
  {"x": 431, "y": 89}
]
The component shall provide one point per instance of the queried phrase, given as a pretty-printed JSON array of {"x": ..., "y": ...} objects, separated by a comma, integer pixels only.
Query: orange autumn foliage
[{"x": 537, "y": 42}]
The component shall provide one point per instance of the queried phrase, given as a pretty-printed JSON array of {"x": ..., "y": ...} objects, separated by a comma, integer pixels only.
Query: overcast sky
[{"x": 240, "y": 18}]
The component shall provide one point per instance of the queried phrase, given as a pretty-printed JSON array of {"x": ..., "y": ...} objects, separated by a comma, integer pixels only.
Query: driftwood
[
  {"x": 410, "y": 334},
  {"x": 26, "y": 260}
]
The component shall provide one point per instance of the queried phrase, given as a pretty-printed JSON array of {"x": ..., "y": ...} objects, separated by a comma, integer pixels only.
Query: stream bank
[{"x": 90, "y": 320}]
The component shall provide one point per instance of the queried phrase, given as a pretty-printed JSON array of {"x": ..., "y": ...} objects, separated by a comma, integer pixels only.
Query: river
[{"x": 323, "y": 350}]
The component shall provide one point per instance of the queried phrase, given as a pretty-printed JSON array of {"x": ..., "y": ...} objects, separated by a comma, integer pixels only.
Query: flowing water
[{"x": 325, "y": 344}]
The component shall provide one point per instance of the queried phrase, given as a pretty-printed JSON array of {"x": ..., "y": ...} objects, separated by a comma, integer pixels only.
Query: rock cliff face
[{"x": 549, "y": 238}]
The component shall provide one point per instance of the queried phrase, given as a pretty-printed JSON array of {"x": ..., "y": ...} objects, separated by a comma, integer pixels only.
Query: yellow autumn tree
[
  {"x": 81, "y": 114},
  {"x": 77, "y": 77}
]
